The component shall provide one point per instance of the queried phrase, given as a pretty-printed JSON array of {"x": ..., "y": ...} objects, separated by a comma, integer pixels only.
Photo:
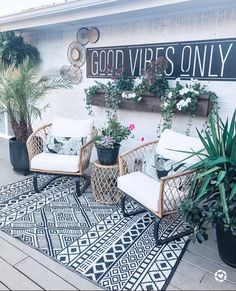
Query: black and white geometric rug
[{"x": 92, "y": 239}]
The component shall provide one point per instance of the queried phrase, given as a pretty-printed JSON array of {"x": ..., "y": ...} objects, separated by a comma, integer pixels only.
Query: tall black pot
[
  {"x": 226, "y": 242},
  {"x": 18, "y": 155},
  {"x": 108, "y": 156}
]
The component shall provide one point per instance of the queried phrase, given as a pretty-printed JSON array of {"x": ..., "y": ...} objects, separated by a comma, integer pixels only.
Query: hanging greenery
[
  {"x": 14, "y": 50},
  {"x": 184, "y": 97}
]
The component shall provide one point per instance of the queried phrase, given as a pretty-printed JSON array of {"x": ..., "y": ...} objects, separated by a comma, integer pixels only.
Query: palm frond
[{"x": 21, "y": 91}]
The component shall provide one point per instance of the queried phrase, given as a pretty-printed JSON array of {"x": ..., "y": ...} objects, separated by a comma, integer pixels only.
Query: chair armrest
[
  {"x": 85, "y": 153},
  {"x": 84, "y": 156},
  {"x": 173, "y": 189},
  {"x": 37, "y": 140},
  {"x": 132, "y": 160}
]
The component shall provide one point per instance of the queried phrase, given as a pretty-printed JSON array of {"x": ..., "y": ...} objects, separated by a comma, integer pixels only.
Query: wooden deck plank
[
  {"x": 208, "y": 265},
  {"x": 210, "y": 282},
  {"x": 73, "y": 278},
  {"x": 190, "y": 271},
  {"x": 3, "y": 287},
  {"x": 171, "y": 287},
  {"x": 14, "y": 279},
  {"x": 210, "y": 243},
  {"x": 10, "y": 253},
  {"x": 38, "y": 273},
  {"x": 183, "y": 283},
  {"x": 210, "y": 254}
]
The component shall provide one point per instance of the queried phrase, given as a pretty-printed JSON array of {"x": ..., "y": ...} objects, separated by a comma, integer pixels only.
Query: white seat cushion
[
  {"x": 55, "y": 162},
  {"x": 142, "y": 188},
  {"x": 171, "y": 142},
  {"x": 67, "y": 127}
]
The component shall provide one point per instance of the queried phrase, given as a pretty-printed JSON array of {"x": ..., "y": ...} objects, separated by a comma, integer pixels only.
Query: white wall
[{"x": 196, "y": 25}]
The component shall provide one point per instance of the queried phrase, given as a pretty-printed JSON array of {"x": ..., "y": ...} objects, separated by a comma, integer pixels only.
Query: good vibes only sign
[{"x": 203, "y": 60}]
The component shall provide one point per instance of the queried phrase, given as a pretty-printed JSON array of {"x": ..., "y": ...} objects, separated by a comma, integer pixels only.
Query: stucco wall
[{"x": 197, "y": 25}]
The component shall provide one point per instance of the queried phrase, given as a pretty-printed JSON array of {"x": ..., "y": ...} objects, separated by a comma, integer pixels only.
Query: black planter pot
[
  {"x": 18, "y": 155},
  {"x": 226, "y": 242},
  {"x": 108, "y": 156}
]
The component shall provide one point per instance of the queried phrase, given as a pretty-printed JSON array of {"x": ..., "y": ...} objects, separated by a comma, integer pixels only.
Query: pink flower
[
  {"x": 142, "y": 138},
  {"x": 131, "y": 126}
]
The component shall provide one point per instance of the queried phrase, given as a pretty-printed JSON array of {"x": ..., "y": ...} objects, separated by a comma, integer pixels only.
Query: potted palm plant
[
  {"x": 14, "y": 50},
  {"x": 212, "y": 200},
  {"x": 21, "y": 90},
  {"x": 108, "y": 140}
]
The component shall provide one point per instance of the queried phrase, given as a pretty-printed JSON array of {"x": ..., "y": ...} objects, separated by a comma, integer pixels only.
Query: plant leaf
[
  {"x": 223, "y": 201},
  {"x": 204, "y": 186},
  {"x": 233, "y": 192},
  {"x": 207, "y": 172},
  {"x": 231, "y": 131},
  {"x": 233, "y": 151},
  {"x": 220, "y": 177}
]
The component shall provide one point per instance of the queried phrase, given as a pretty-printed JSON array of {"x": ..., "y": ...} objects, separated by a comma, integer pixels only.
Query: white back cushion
[
  {"x": 171, "y": 142},
  {"x": 67, "y": 127}
]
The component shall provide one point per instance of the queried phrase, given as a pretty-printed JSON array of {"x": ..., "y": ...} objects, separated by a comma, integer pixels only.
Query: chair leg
[
  {"x": 125, "y": 213},
  {"x": 169, "y": 239},
  {"x": 35, "y": 183},
  {"x": 77, "y": 186}
]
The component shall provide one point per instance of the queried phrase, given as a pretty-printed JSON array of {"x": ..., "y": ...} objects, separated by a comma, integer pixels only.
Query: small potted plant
[
  {"x": 212, "y": 201},
  {"x": 108, "y": 140}
]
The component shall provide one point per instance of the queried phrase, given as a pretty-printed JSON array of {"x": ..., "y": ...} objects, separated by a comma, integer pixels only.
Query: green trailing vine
[
  {"x": 121, "y": 86},
  {"x": 183, "y": 97}
]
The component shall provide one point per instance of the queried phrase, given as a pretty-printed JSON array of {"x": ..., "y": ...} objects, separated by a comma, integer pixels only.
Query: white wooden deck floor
[{"x": 24, "y": 268}]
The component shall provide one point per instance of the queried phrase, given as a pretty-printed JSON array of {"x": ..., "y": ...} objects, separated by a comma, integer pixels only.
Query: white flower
[
  {"x": 170, "y": 94},
  {"x": 139, "y": 98},
  {"x": 182, "y": 103},
  {"x": 184, "y": 91},
  {"x": 165, "y": 104},
  {"x": 188, "y": 100},
  {"x": 124, "y": 95},
  {"x": 138, "y": 81},
  {"x": 194, "y": 81},
  {"x": 179, "y": 106},
  {"x": 131, "y": 95}
]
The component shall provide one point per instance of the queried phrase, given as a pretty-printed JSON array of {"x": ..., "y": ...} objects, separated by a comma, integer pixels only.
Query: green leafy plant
[
  {"x": 122, "y": 86},
  {"x": 153, "y": 79},
  {"x": 113, "y": 133},
  {"x": 20, "y": 94},
  {"x": 121, "y": 79},
  {"x": 212, "y": 199},
  {"x": 14, "y": 50},
  {"x": 184, "y": 97}
]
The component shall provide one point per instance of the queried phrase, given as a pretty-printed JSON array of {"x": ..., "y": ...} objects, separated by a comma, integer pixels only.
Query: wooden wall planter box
[{"x": 151, "y": 103}]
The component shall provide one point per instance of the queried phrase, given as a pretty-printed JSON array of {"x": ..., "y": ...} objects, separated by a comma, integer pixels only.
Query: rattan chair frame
[
  {"x": 36, "y": 144},
  {"x": 172, "y": 190}
]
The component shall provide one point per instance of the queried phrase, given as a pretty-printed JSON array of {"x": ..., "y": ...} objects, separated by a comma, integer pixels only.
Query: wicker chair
[
  {"x": 160, "y": 197},
  {"x": 36, "y": 144}
]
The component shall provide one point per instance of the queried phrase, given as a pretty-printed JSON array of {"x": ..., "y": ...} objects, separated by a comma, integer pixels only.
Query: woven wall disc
[
  {"x": 93, "y": 35},
  {"x": 75, "y": 75},
  {"x": 82, "y": 35},
  {"x": 76, "y": 54}
]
